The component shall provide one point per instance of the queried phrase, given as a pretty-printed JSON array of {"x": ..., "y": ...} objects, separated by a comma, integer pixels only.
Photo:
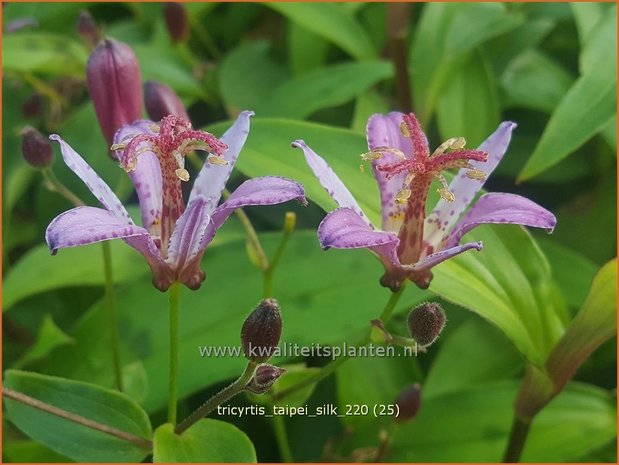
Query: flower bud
[
  {"x": 261, "y": 331},
  {"x": 36, "y": 149},
  {"x": 115, "y": 85},
  {"x": 425, "y": 323},
  {"x": 264, "y": 378},
  {"x": 160, "y": 101},
  {"x": 175, "y": 17},
  {"x": 87, "y": 28},
  {"x": 408, "y": 402},
  {"x": 32, "y": 106}
]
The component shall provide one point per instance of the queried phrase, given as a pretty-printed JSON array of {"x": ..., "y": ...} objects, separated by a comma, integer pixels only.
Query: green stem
[
  {"x": 289, "y": 224},
  {"x": 173, "y": 391},
  {"x": 330, "y": 367},
  {"x": 281, "y": 436},
  {"x": 222, "y": 396},
  {"x": 110, "y": 301},
  {"x": 517, "y": 438},
  {"x": 55, "y": 185}
]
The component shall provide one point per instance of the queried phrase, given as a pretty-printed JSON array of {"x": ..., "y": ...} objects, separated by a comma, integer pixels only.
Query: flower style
[
  {"x": 173, "y": 238},
  {"x": 410, "y": 243}
]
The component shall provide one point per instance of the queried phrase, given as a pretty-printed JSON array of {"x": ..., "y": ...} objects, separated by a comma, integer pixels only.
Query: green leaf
[
  {"x": 472, "y": 426},
  {"x": 592, "y": 98},
  {"x": 208, "y": 440},
  {"x": 49, "y": 337},
  {"x": 323, "y": 88},
  {"x": 366, "y": 105},
  {"x": 306, "y": 50},
  {"x": 331, "y": 21},
  {"x": 26, "y": 451},
  {"x": 586, "y": 15},
  {"x": 534, "y": 80},
  {"x": 294, "y": 374},
  {"x": 77, "y": 442},
  {"x": 471, "y": 91},
  {"x": 43, "y": 52}
]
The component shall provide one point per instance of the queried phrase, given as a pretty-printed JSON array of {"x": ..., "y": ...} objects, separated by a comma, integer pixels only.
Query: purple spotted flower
[
  {"x": 172, "y": 238},
  {"x": 409, "y": 243}
]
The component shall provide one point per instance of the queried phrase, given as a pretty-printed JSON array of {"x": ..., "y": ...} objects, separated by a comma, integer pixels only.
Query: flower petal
[
  {"x": 212, "y": 179},
  {"x": 146, "y": 176},
  {"x": 329, "y": 180},
  {"x": 384, "y": 131},
  {"x": 93, "y": 181},
  {"x": 434, "y": 259},
  {"x": 188, "y": 232},
  {"x": 345, "y": 229},
  {"x": 499, "y": 208},
  {"x": 446, "y": 214}
]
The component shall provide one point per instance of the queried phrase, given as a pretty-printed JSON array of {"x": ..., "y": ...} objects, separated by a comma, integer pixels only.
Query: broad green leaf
[
  {"x": 27, "y": 451},
  {"x": 473, "y": 426},
  {"x": 534, "y": 80},
  {"x": 135, "y": 381},
  {"x": 586, "y": 15},
  {"x": 17, "y": 184},
  {"x": 610, "y": 133},
  {"x": 306, "y": 50},
  {"x": 308, "y": 297},
  {"x": 592, "y": 98},
  {"x": 208, "y": 441},
  {"x": 326, "y": 87},
  {"x": 77, "y": 442},
  {"x": 248, "y": 75},
  {"x": 50, "y": 336},
  {"x": 42, "y": 52},
  {"x": 468, "y": 106},
  {"x": 366, "y": 105},
  {"x": 331, "y": 21}
]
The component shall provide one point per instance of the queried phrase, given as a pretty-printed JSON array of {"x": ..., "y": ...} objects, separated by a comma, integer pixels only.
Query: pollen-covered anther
[
  {"x": 155, "y": 127},
  {"x": 454, "y": 143},
  {"x": 216, "y": 160},
  {"x": 182, "y": 174},
  {"x": 404, "y": 129},
  {"x": 119, "y": 146},
  {"x": 403, "y": 195},
  {"x": 373, "y": 155},
  {"x": 446, "y": 194},
  {"x": 477, "y": 174}
]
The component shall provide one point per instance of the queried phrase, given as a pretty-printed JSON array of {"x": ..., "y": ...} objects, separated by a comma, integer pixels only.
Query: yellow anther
[
  {"x": 182, "y": 174},
  {"x": 404, "y": 129},
  {"x": 446, "y": 194},
  {"x": 362, "y": 168},
  {"x": 129, "y": 164},
  {"x": 373, "y": 155},
  {"x": 216, "y": 160},
  {"x": 154, "y": 127},
  {"x": 119, "y": 146},
  {"x": 474, "y": 173},
  {"x": 455, "y": 143},
  {"x": 403, "y": 196}
]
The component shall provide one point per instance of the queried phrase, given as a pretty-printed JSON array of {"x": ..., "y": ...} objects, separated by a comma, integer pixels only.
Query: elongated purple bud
[
  {"x": 261, "y": 331},
  {"x": 408, "y": 402},
  {"x": 425, "y": 323},
  {"x": 175, "y": 16},
  {"x": 115, "y": 86},
  {"x": 160, "y": 101},
  {"x": 264, "y": 378},
  {"x": 36, "y": 148}
]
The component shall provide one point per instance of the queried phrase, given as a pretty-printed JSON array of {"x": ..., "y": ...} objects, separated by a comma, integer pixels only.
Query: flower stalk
[
  {"x": 110, "y": 304},
  {"x": 173, "y": 377}
]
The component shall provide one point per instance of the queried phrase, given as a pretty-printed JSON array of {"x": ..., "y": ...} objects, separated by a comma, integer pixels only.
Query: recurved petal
[
  {"x": 146, "y": 176},
  {"x": 212, "y": 179},
  {"x": 97, "y": 186},
  {"x": 446, "y": 214},
  {"x": 434, "y": 259},
  {"x": 345, "y": 229},
  {"x": 86, "y": 225},
  {"x": 500, "y": 208},
  {"x": 329, "y": 180}
]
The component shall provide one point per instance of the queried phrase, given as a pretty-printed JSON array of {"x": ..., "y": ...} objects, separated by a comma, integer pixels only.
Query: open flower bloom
[
  {"x": 173, "y": 238},
  {"x": 410, "y": 243}
]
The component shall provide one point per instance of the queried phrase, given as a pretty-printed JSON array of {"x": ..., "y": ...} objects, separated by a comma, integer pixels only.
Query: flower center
[{"x": 171, "y": 141}]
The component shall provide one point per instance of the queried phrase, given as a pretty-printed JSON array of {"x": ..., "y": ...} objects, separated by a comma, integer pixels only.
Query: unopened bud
[
  {"x": 408, "y": 402},
  {"x": 261, "y": 331},
  {"x": 160, "y": 101},
  {"x": 264, "y": 378},
  {"x": 32, "y": 106},
  {"x": 175, "y": 17},
  {"x": 115, "y": 86},
  {"x": 425, "y": 323},
  {"x": 87, "y": 28},
  {"x": 36, "y": 148}
]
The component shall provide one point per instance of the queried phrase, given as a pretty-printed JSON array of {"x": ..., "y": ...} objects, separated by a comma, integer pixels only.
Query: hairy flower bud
[
  {"x": 175, "y": 17},
  {"x": 408, "y": 402},
  {"x": 264, "y": 378},
  {"x": 261, "y": 331},
  {"x": 425, "y": 323},
  {"x": 115, "y": 86},
  {"x": 36, "y": 149},
  {"x": 160, "y": 101},
  {"x": 87, "y": 28}
]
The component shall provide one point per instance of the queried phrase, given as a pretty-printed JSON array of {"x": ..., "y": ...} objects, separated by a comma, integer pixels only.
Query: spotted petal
[
  {"x": 146, "y": 176},
  {"x": 212, "y": 179},
  {"x": 384, "y": 131},
  {"x": 499, "y": 208},
  {"x": 93, "y": 181},
  {"x": 434, "y": 259},
  {"x": 329, "y": 180},
  {"x": 188, "y": 232},
  {"x": 446, "y": 214}
]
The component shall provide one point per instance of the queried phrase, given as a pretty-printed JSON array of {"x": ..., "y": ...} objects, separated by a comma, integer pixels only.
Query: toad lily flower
[
  {"x": 173, "y": 238},
  {"x": 411, "y": 244}
]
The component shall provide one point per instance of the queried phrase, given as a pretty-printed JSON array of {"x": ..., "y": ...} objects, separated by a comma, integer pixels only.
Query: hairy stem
[
  {"x": 289, "y": 225},
  {"x": 54, "y": 184},
  {"x": 222, "y": 396},
  {"x": 281, "y": 436},
  {"x": 110, "y": 303},
  {"x": 35, "y": 403},
  {"x": 173, "y": 389}
]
